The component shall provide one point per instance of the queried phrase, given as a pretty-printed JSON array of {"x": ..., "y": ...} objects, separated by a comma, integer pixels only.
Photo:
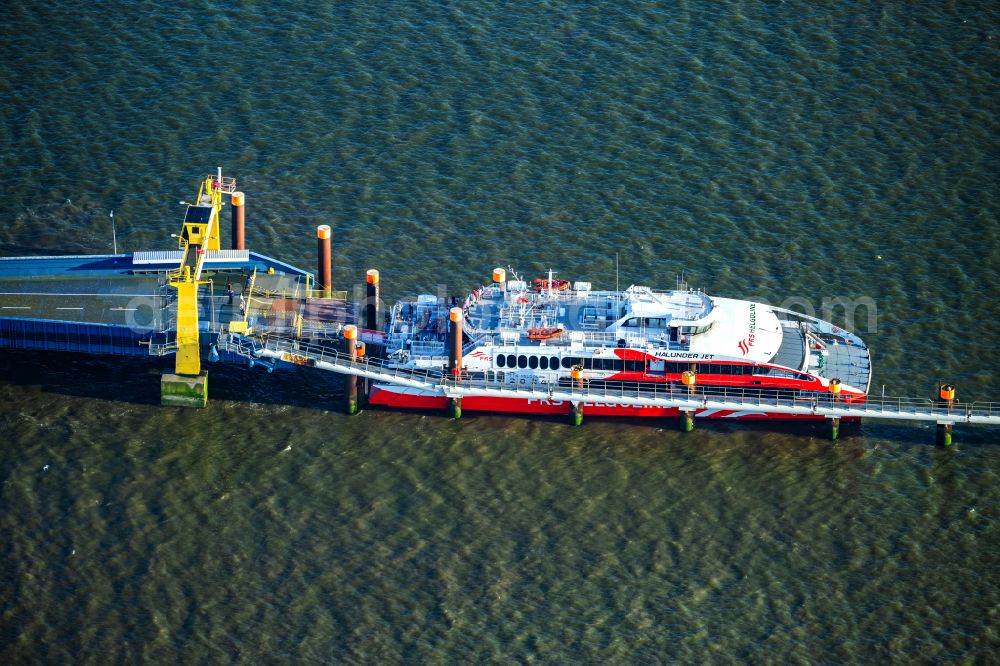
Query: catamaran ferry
[{"x": 550, "y": 331}]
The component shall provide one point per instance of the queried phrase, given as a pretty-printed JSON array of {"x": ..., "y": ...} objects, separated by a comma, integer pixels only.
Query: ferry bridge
[{"x": 232, "y": 305}]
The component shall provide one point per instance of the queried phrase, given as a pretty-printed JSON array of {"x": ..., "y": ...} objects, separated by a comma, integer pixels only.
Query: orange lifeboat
[
  {"x": 543, "y": 284},
  {"x": 544, "y": 333}
]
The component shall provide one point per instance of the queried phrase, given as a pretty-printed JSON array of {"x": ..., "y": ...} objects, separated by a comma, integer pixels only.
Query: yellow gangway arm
[{"x": 188, "y": 348}]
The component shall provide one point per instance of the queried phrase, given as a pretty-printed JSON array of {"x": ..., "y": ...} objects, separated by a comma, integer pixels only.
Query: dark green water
[{"x": 772, "y": 150}]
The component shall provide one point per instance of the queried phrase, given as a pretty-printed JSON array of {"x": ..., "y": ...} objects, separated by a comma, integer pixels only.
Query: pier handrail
[
  {"x": 176, "y": 274},
  {"x": 635, "y": 392}
]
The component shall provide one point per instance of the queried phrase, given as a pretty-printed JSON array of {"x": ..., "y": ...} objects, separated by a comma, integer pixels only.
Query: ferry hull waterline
[
  {"x": 549, "y": 334},
  {"x": 395, "y": 397}
]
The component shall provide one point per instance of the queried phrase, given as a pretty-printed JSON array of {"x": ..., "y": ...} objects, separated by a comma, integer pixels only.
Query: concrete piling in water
[
  {"x": 455, "y": 343},
  {"x": 455, "y": 357},
  {"x": 184, "y": 390},
  {"x": 690, "y": 379},
  {"x": 576, "y": 408},
  {"x": 239, "y": 230},
  {"x": 945, "y": 398},
  {"x": 687, "y": 420},
  {"x": 371, "y": 300},
  {"x": 351, "y": 381},
  {"x": 835, "y": 388},
  {"x": 360, "y": 349},
  {"x": 324, "y": 265},
  {"x": 944, "y": 436}
]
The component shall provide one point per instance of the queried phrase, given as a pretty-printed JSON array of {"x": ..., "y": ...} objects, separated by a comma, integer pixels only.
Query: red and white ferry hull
[{"x": 399, "y": 397}]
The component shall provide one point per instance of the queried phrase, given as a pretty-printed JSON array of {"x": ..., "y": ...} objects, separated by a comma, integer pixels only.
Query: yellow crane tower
[{"x": 199, "y": 234}]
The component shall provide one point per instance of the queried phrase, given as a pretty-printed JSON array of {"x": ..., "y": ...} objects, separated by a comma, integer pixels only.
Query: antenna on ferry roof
[{"x": 616, "y": 272}]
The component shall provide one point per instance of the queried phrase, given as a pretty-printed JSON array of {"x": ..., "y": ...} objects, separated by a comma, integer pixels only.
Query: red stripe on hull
[
  {"x": 379, "y": 396},
  {"x": 515, "y": 406},
  {"x": 414, "y": 400}
]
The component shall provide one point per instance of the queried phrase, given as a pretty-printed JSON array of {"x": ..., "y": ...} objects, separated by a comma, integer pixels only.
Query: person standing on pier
[{"x": 229, "y": 290}]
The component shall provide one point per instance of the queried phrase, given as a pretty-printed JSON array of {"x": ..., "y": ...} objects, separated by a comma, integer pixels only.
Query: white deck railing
[{"x": 648, "y": 394}]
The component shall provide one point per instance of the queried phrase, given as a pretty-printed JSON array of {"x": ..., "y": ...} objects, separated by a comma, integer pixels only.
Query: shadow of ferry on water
[{"x": 137, "y": 381}]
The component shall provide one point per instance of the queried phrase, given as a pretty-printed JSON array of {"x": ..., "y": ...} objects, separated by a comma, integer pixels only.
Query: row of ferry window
[
  {"x": 613, "y": 364},
  {"x": 533, "y": 362},
  {"x": 553, "y": 363},
  {"x": 617, "y": 365}
]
